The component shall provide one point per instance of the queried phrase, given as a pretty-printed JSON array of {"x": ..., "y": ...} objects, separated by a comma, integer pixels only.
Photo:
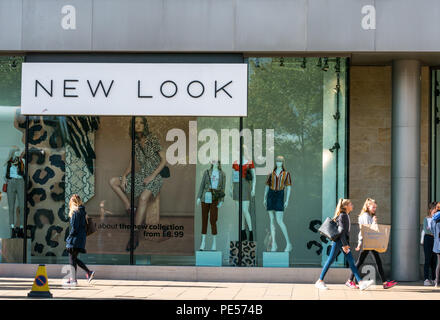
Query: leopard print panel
[{"x": 47, "y": 219}]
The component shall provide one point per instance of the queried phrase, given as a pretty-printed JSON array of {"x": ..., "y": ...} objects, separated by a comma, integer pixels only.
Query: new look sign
[{"x": 125, "y": 89}]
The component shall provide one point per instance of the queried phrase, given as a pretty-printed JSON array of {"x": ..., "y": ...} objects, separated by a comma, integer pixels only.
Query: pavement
[{"x": 101, "y": 289}]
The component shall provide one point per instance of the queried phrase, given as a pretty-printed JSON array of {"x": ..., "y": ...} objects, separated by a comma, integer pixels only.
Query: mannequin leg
[
  {"x": 20, "y": 197},
  {"x": 115, "y": 184},
  {"x": 247, "y": 219},
  {"x": 203, "y": 243},
  {"x": 247, "y": 216},
  {"x": 11, "y": 202},
  {"x": 205, "y": 212},
  {"x": 280, "y": 216},
  {"x": 272, "y": 230},
  {"x": 214, "y": 243},
  {"x": 213, "y": 217}
]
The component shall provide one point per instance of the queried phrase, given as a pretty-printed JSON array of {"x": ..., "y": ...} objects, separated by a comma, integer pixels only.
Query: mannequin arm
[
  {"x": 254, "y": 181},
  {"x": 199, "y": 193},
  {"x": 266, "y": 190},
  {"x": 231, "y": 183},
  {"x": 286, "y": 203}
]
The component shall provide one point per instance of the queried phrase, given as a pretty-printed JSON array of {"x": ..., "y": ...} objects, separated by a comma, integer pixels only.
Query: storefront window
[
  {"x": 12, "y": 160},
  {"x": 187, "y": 202},
  {"x": 177, "y": 221},
  {"x": 77, "y": 155},
  {"x": 294, "y": 136}
]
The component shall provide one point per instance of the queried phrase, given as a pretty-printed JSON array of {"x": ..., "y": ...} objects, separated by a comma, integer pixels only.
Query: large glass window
[
  {"x": 12, "y": 161},
  {"x": 77, "y": 155},
  {"x": 186, "y": 175},
  {"x": 175, "y": 216},
  {"x": 294, "y": 137}
]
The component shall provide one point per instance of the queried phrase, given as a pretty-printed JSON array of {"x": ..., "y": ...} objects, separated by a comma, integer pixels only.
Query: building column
[{"x": 405, "y": 170}]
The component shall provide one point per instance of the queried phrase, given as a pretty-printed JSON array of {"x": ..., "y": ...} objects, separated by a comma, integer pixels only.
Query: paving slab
[{"x": 18, "y": 288}]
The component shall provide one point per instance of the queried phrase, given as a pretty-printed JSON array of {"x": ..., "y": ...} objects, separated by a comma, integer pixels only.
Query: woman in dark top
[
  {"x": 342, "y": 211},
  {"x": 76, "y": 241}
]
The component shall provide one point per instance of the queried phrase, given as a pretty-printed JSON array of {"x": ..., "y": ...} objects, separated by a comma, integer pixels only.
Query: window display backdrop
[{"x": 300, "y": 98}]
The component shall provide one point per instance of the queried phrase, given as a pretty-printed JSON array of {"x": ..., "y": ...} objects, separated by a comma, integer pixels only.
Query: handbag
[
  {"x": 216, "y": 194},
  {"x": 165, "y": 172},
  {"x": 5, "y": 187},
  {"x": 329, "y": 229},
  {"x": 90, "y": 226}
]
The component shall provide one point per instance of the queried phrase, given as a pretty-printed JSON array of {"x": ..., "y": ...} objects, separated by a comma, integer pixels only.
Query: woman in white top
[{"x": 368, "y": 216}]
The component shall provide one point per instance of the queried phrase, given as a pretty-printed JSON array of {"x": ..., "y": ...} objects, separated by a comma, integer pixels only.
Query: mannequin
[
  {"x": 248, "y": 191},
  {"x": 278, "y": 181},
  {"x": 14, "y": 172},
  {"x": 214, "y": 178}
]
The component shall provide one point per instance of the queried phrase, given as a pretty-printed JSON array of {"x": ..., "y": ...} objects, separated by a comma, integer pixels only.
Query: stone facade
[{"x": 370, "y": 145}]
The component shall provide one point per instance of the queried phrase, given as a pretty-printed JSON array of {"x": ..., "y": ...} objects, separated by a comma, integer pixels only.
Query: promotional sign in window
[{"x": 134, "y": 89}]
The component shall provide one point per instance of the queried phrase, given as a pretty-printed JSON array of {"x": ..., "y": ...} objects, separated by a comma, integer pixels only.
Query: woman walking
[
  {"x": 368, "y": 216},
  {"x": 428, "y": 245},
  {"x": 434, "y": 226},
  {"x": 76, "y": 241},
  {"x": 342, "y": 211}
]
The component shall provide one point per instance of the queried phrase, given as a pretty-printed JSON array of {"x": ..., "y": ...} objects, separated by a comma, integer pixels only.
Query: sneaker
[
  {"x": 351, "y": 284},
  {"x": 428, "y": 282},
  {"x": 90, "y": 276},
  {"x": 363, "y": 285},
  {"x": 288, "y": 247},
  {"x": 389, "y": 284},
  {"x": 320, "y": 285}
]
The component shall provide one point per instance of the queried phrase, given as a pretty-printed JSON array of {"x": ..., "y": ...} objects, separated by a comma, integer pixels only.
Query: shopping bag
[{"x": 375, "y": 236}]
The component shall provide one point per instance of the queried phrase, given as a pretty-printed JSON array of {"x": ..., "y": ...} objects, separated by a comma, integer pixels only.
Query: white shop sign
[{"x": 162, "y": 89}]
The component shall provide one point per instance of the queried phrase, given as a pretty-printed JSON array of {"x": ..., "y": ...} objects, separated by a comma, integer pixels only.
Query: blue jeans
[{"x": 336, "y": 246}]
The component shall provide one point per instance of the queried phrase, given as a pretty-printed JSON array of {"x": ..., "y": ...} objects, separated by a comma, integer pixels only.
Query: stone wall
[{"x": 370, "y": 144}]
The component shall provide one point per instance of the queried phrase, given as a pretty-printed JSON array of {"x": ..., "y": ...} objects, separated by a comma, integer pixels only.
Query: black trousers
[
  {"x": 74, "y": 261},
  {"x": 363, "y": 256},
  {"x": 430, "y": 257}
]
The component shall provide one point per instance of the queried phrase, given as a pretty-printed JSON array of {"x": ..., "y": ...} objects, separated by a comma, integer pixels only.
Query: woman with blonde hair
[
  {"x": 76, "y": 241},
  {"x": 368, "y": 216},
  {"x": 342, "y": 211}
]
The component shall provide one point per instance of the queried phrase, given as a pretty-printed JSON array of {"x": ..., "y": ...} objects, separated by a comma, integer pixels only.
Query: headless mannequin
[
  {"x": 215, "y": 171},
  {"x": 15, "y": 190},
  {"x": 279, "y": 214},
  {"x": 246, "y": 214}
]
